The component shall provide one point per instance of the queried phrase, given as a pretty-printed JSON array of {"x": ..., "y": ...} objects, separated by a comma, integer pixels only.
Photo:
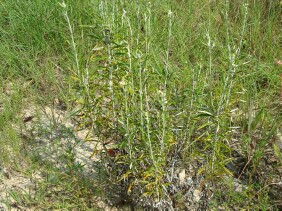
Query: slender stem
[{"x": 63, "y": 4}]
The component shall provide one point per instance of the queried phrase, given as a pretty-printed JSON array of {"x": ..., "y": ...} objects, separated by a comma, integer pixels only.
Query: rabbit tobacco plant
[
  {"x": 126, "y": 104},
  {"x": 163, "y": 97}
]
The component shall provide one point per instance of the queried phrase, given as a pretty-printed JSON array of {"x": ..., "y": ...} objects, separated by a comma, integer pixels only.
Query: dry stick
[{"x": 249, "y": 160}]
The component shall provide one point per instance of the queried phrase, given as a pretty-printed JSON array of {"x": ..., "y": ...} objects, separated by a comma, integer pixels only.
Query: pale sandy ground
[{"x": 45, "y": 118}]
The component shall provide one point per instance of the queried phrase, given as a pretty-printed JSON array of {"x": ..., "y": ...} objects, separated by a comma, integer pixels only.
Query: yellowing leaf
[
  {"x": 130, "y": 187},
  {"x": 75, "y": 78},
  {"x": 125, "y": 176},
  {"x": 200, "y": 171}
]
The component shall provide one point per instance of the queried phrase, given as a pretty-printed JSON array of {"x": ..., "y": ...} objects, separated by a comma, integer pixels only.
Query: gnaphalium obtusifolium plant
[{"x": 162, "y": 94}]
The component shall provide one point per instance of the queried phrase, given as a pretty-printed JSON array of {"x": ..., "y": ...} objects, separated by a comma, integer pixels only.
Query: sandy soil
[{"x": 53, "y": 132}]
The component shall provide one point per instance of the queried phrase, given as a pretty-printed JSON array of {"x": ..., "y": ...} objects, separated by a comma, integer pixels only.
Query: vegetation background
[{"x": 183, "y": 98}]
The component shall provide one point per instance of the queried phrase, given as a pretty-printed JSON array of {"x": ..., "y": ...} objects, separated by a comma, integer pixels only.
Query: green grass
[{"x": 170, "y": 83}]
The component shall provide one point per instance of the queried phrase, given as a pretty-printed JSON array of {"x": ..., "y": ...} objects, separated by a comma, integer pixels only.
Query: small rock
[
  {"x": 279, "y": 140},
  {"x": 196, "y": 195},
  {"x": 189, "y": 181},
  {"x": 182, "y": 176},
  {"x": 3, "y": 207}
]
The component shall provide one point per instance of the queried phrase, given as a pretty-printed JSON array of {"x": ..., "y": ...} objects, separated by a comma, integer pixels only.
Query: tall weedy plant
[{"x": 162, "y": 99}]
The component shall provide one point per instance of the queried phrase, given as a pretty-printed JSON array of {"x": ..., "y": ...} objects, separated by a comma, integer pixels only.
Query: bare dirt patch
[{"x": 53, "y": 134}]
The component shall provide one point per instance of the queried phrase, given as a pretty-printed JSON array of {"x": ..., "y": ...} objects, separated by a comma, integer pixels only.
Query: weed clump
[{"x": 165, "y": 102}]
